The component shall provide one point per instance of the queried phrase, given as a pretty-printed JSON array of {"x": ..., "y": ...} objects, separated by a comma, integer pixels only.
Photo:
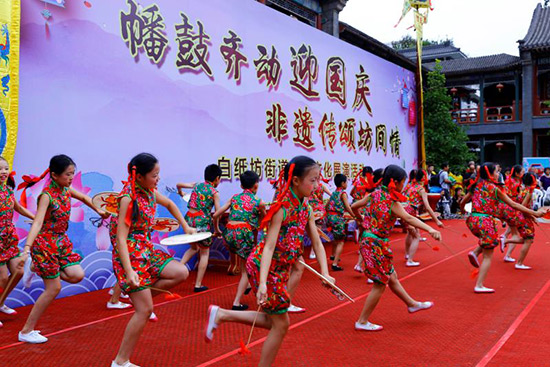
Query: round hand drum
[
  {"x": 185, "y": 238},
  {"x": 165, "y": 225},
  {"x": 107, "y": 200}
]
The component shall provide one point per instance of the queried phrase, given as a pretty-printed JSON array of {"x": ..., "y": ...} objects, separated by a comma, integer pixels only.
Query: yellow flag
[{"x": 10, "y": 18}]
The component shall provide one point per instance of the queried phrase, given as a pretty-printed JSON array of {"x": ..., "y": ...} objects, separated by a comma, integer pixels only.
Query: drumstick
[
  {"x": 172, "y": 295},
  {"x": 323, "y": 235},
  {"x": 334, "y": 286},
  {"x": 253, "y": 324},
  {"x": 4, "y": 294}
]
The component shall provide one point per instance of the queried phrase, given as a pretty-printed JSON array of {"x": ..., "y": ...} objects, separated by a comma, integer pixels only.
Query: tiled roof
[
  {"x": 538, "y": 35},
  {"x": 430, "y": 51},
  {"x": 477, "y": 64}
]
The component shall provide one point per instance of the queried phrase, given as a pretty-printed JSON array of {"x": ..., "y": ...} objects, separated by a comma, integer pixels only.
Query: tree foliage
[
  {"x": 409, "y": 41},
  {"x": 445, "y": 139}
]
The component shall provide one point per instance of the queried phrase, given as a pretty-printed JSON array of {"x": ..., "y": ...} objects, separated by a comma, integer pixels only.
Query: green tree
[
  {"x": 445, "y": 139},
  {"x": 409, "y": 41}
]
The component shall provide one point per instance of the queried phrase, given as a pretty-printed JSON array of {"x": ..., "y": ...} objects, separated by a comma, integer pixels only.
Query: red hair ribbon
[
  {"x": 132, "y": 182},
  {"x": 12, "y": 175},
  {"x": 491, "y": 178},
  {"x": 325, "y": 180},
  {"x": 474, "y": 182},
  {"x": 279, "y": 180},
  {"x": 395, "y": 194},
  {"x": 278, "y": 201},
  {"x": 28, "y": 181}
]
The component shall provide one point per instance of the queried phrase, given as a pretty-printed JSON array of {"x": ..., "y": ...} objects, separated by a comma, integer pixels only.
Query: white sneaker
[
  {"x": 125, "y": 364},
  {"x": 406, "y": 256},
  {"x": 1, "y": 325},
  {"x": 8, "y": 311},
  {"x": 368, "y": 327},
  {"x": 211, "y": 323},
  {"x": 358, "y": 268},
  {"x": 33, "y": 337},
  {"x": 296, "y": 309},
  {"x": 118, "y": 306},
  {"x": 522, "y": 267},
  {"x": 421, "y": 306},
  {"x": 369, "y": 281},
  {"x": 508, "y": 259},
  {"x": 412, "y": 263},
  {"x": 423, "y": 239},
  {"x": 312, "y": 255},
  {"x": 483, "y": 290},
  {"x": 122, "y": 294},
  {"x": 153, "y": 317}
]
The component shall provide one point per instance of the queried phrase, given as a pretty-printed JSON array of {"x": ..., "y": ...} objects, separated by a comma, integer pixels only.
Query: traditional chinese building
[
  {"x": 502, "y": 100},
  {"x": 443, "y": 52}
]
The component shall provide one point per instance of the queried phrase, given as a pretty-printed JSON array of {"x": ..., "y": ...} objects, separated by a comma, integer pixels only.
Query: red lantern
[{"x": 412, "y": 113}]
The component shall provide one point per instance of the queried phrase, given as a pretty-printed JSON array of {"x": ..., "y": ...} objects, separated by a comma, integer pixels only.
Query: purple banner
[{"x": 193, "y": 82}]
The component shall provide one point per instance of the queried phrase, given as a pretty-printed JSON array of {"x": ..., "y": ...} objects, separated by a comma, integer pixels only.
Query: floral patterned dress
[
  {"x": 316, "y": 201},
  {"x": 515, "y": 218},
  {"x": 202, "y": 201},
  {"x": 244, "y": 208},
  {"x": 288, "y": 249},
  {"x": 374, "y": 244},
  {"x": 415, "y": 204},
  {"x": 481, "y": 222},
  {"x": 335, "y": 215},
  {"x": 8, "y": 236},
  {"x": 52, "y": 251},
  {"x": 146, "y": 261}
]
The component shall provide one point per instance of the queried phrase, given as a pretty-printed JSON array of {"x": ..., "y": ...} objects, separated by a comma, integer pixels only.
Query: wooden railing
[
  {"x": 542, "y": 108},
  {"x": 465, "y": 116},
  {"x": 500, "y": 113}
]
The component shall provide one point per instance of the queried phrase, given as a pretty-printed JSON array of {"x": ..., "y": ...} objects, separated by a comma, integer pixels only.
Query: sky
[{"x": 478, "y": 27}]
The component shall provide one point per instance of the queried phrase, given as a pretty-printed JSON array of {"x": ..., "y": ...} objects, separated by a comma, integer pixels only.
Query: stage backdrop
[{"x": 196, "y": 82}]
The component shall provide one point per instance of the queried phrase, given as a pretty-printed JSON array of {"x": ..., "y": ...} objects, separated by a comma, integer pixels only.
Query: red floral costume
[
  {"x": 316, "y": 201},
  {"x": 287, "y": 250},
  {"x": 482, "y": 222},
  {"x": 146, "y": 261},
  {"x": 375, "y": 249},
  {"x": 8, "y": 236},
  {"x": 52, "y": 251},
  {"x": 515, "y": 218},
  {"x": 415, "y": 202},
  {"x": 202, "y": 201},
  {"x": 240, "y": 237}
]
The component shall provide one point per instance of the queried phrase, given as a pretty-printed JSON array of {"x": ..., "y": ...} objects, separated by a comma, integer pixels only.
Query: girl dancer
[
  {"x": 10, "y": 257},
  {"x": 270, "y": 262},
  {"x": 137, "y": 265},
  {"x": 417, "y": 200},
  {"x": 48, "y": 244},
  {"x": 382, "y": 209}
]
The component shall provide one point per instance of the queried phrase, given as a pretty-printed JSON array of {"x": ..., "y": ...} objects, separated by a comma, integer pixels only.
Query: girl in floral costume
[
  {"x": 203, "y": 198},
  {"x": 486, "y": 196},
  {"x": 520, "y": 227},
  {"x": 51, "y": 249},
  {"x": 137, "y": 264},
  {"x": 370, "y": 183},
  {"x": 526, "y": 228},
  {"x": 336, "y": 207},
  {"x": 245, "y": 213},
  {"x": 10, "y": 257},
  {"x": 383, "y": 207},
  {"x": 270, "y": 262},
  {"x": 417, "y": 200}
]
